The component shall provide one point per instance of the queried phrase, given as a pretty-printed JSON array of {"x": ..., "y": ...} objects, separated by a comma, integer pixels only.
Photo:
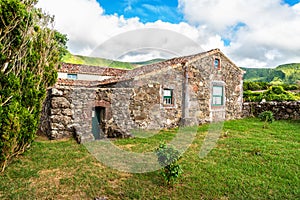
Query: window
[
  {"x": 72, "y": 76},
  {"x": 218, "y": 96},
  {"x": 168, "y": 96},
  {"x": 217, "y": 63}
]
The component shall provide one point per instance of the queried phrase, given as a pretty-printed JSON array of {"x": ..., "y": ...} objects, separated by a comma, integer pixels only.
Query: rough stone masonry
[{"x": 202, "y": 88}]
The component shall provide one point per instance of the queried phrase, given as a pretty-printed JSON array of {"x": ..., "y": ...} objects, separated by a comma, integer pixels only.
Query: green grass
[{"x": 249, "y": 162}]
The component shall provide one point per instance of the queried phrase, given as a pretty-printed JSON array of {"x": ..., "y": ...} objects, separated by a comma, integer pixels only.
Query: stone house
[{"x": 185, "y": 91}]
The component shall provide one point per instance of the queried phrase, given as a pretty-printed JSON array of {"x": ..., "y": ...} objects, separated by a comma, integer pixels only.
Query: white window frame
[
  {"x": 72, "y": 76},
  {"x": 218, "y": 95},
  {"x": 168, "y": 97}
]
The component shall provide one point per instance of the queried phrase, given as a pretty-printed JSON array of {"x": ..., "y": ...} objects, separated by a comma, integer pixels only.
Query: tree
[{"x": 30, "y": 53}]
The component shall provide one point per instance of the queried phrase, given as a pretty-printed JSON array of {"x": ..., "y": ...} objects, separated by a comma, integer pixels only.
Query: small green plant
[
  {"x": 168, "y": 157},
  {"x": 267, "y": 117}
]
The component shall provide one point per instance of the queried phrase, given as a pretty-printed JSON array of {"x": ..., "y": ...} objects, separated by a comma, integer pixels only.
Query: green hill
[
  {"x": 287, "y": 73},
  {"x": 93, "y": 61},
  {"x": 102, "y": 62}
]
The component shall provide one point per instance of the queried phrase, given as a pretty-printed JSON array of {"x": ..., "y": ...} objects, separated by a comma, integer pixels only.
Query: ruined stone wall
[{"x": 281, "y": 110}]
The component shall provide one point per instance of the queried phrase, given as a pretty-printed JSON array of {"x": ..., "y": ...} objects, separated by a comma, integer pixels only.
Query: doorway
[{"x": 98, "y": 118}]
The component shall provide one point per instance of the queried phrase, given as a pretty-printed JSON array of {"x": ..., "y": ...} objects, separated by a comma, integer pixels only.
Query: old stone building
[{"x": 93, "y": 102}]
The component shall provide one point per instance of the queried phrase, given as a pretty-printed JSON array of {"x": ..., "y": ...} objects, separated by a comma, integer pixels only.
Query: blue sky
[
  {"x": 291, "y": 2},
  {"x": 253, "y": 33},
  {"x": 146, "y": 10},
  {"x": 151, "y": 10}
]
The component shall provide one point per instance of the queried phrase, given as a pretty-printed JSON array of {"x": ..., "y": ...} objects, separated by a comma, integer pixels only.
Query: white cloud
[
  {"x": 270, "y": 35},
  {"x": 92, "y": 32},
  {"x": 262, "y": 33}
]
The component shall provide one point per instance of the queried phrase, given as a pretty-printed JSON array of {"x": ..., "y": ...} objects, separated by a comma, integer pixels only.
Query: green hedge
[{"x": 274, "y": 93}]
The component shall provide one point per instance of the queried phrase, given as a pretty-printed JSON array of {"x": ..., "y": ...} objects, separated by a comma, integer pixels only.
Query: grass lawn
[{"x": 249, "y": 162}]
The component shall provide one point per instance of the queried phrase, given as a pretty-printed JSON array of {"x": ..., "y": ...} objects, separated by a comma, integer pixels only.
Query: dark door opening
[{"x": 98, "y": 117}]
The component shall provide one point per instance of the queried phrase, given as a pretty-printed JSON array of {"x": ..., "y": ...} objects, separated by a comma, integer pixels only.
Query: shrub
[
  {"x": 274, "y": 93},
  {"x": 168, "y": 157},
  {"x": 254, "y": 86},
  {"x": 290, "y": 87},
  {"x": 277, "y": 89},
  {"x": 266, "y": 116},
  {"x": 30, "y": 53}
]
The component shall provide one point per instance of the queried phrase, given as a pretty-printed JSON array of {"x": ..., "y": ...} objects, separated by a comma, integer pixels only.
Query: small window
[
  {"x": 218, "y": 96},
  {"x": 217, "y": 63},
  {"x": 72, "y": 76},
  {"x": 168, "y": 97}
]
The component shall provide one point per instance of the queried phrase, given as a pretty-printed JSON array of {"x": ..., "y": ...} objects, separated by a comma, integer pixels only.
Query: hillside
[
  {"x": 287, "y": 73},
  {"x": 102, "y": 62},
  {"x": 93, "y": 61}
]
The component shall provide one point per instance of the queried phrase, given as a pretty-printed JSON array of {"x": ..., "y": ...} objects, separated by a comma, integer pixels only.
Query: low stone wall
[{"x": 281, "y": 110}]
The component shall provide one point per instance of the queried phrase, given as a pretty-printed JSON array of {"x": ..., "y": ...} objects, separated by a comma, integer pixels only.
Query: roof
[
  {"x": 174, "y": 62},
  {"x": 94, "y": 70},
  {"x": 119, "y": 75}
]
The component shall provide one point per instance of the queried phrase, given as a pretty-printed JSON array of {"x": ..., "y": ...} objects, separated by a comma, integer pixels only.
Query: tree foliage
[
  {"x": 283, "y": 74},
  {"x": 30, "y": 52},
  {"x": 274, "y": 93}
]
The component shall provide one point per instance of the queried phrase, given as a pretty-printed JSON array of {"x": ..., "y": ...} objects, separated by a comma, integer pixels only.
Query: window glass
[
  {"x": 217, "y": 63},
  {"x": 217, "y": 96},
  {"x": 72, "y": 76},
  {"x": 168, "y": 96}
]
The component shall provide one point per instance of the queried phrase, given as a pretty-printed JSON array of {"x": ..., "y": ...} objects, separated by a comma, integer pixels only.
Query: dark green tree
[{"x": 30, "y": 53}]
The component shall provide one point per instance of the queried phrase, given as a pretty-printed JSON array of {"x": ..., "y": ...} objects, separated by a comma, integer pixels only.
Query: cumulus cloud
[
  {"x": 262, "y": 33},
  {"x": 258, "y": 33},
  {"x": 91, "y": 32}
]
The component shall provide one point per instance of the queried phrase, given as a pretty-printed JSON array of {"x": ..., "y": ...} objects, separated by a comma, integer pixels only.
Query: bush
[
  {"x": 290, "y": 87},
  {"x": 168, "y": 157},
  {"x": 30, "y": 53},
  {"x": 254, "y": 86},
  {"x": 266, "y": 116},
  {"x": 274, "y": 93},
  {"x": 277, "y": 89}
]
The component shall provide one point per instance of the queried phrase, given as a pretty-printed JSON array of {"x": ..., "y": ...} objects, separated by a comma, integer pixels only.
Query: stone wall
[
  {"x": 203, "y": 76},
  {"x": 281, "y": 110},
  {"x": 116, "y": 101},
  {"x": 136, "y": 101},
  {"x": 67, "y": 112}
]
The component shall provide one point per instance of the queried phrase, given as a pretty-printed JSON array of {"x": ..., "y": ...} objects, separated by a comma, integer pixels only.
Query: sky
[{"x": 253, "y": 33}]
